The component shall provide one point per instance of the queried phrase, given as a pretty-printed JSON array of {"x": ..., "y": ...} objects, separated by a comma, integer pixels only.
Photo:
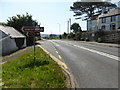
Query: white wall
[
  {"x": 9, "y": 45},
  {"x": 92, "y": 25},
  {"x": 118, "y": 21}
]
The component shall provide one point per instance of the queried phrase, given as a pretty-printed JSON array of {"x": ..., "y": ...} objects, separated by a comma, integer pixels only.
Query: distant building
[
  {"x": 119, "y": 4},
  {"x": 108, "y": 21},
  {"x": 10, "y": 40}
]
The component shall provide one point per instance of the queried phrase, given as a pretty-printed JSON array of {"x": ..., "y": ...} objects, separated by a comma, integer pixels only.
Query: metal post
[
  {"x": 70, "y": 24},
  {"x": 34, "y": 52},
  {"x": 68, "y": 27}
]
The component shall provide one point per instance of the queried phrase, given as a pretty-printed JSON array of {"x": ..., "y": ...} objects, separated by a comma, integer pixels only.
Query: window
[
  {"x": 103, "y": 27},
  {"x": 90, "y": 22},
  {"x": 112, "y": 26},
  {"x": 103, "y": 20},
  {"x": 113, "y": 18}
]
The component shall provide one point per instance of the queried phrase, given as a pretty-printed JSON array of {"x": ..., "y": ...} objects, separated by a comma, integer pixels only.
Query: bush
[
  {"x": 82, "y": 39},
  {"x": 74, "y": 38},
  {"x": 87, "y": 39},
  {"x": 99, "y": 40},
  {"x": 99, "y": 33}
]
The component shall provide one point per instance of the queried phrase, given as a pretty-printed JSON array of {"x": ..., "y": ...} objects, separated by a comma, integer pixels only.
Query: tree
[
  {"x": 76, "y": 27},
  {"x": 85, "y": 9},
  {"x": 2, "y": 23},
  {"x": 64, "y": 35},
  {"x": 19, "y": 21},
  {"x": 53, "y": 36}
]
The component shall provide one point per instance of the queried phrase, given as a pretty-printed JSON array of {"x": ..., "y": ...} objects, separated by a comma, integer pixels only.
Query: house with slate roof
[
  {"x": 106, "y": 22},
  {"x": 10, "y": 40}
]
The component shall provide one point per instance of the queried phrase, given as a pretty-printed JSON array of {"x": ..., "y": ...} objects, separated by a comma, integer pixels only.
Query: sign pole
[
  {"x": 34, "y": 52},
  {"x": 33, "y": 31}
]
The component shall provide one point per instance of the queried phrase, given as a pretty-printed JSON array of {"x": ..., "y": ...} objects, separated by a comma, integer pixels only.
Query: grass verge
[{"x": 21, "y": 72}]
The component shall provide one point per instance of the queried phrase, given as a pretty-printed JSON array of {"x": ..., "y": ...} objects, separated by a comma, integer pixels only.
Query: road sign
[
  {"x": 33, "y": 31},
  {"x": 41, "y": 29},
  {"x": 27, "y": 28},
  {"x": 32, "y": 34},
  {"x": 32, "y": 28}
]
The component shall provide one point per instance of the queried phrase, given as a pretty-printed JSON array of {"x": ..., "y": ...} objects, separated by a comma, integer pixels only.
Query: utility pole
[
  {"x": 68, "y": 27},
  {"x": 70, "y": 24}
]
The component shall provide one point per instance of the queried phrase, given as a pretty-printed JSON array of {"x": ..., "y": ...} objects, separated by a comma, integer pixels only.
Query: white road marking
[
  {"x": 57, "y": 52},
  {"x": 99, "y": 52},
  {"x": 59, "y": 57},
  {"x": 55, "y": 43}
]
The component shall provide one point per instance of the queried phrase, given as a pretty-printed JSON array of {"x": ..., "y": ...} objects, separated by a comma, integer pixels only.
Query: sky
[{"x": 51, "y": 14}]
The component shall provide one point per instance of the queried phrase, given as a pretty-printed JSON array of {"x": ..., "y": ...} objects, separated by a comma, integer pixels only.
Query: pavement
[
  {"x": 93, "y": 65},
  {"x": 15, "y": 54},
  {"x": 103, "y": 44}
]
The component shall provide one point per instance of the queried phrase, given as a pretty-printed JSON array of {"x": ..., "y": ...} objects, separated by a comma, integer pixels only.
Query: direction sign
[
  {"x": 27, "y": 28},
  {"x": 32, "y": 34},
  {"x": 41, "y": 29},
  {"x": 32, "y": 29}
]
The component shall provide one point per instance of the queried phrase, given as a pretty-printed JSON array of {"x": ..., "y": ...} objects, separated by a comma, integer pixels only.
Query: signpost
[{"x": 33, "y": 31}]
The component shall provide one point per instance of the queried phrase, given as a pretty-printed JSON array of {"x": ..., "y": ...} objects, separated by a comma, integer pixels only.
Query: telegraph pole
[
  {"x": 68, "y": 27},
  {"x": 70, "y": 24}
]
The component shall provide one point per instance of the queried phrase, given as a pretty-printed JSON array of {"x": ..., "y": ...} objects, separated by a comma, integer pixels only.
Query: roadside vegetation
[{"x": 23, "y": 72}]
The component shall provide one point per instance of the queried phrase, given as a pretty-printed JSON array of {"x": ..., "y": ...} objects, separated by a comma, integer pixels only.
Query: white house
[
  {"x": 10, "y": 40},
  {"x": 108, "y": 21}
]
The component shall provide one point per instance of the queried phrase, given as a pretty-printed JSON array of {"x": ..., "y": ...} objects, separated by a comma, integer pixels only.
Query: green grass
[
  {"x": 63, "y": 39},
  {"x": 21, "y": 72},
  {"x": 67, "y": 39}
]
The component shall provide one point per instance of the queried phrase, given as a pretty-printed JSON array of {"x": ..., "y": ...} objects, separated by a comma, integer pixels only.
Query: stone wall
[
  {"x": 113, "y": 37},
  {"x": 108, "y": 36}
]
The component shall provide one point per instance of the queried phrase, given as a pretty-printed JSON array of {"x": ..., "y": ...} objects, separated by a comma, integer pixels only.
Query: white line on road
[
  {"x": 55, "y": 43},
  {"x": 99, "y": 52},
  {"x": 57, "y": 52},
  {"x": 59, "y": 57}
]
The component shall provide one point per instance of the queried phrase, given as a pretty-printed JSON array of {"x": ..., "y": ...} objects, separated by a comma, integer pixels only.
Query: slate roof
[
  {"x": 111, "y": 13},
  {"x": 13, "y": 33}
]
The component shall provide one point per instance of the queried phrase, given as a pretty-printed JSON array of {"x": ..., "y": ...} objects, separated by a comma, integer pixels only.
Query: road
[{"x": 93, "y": 66}]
